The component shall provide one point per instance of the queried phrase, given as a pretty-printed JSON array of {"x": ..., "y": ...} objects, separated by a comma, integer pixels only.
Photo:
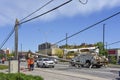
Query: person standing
[
  {"x": 32, "y": 63},
  {"x": 28, "y": 59},
  {"x": 28, "y": 62},
  {"x": 3, "y": 60}
]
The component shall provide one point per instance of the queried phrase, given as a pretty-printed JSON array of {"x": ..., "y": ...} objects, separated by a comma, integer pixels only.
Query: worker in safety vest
[
  {"x": 31, "y": 63},
  {"x": 28, "y": 62}
]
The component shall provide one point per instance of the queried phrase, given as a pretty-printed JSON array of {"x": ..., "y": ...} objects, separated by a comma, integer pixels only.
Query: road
[{"x": 65, "y": 72}]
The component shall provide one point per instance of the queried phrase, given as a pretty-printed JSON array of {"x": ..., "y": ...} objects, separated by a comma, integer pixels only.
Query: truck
[{"x": 89, "y": 57}]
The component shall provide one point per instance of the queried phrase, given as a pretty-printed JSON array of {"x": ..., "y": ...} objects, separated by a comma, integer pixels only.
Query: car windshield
[{"x": 46, "y": 60}]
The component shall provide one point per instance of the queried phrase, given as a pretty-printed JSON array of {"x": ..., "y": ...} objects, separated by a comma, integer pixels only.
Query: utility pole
[
  {"x": 66, "y": 40},
  {"x": 65, "y": 53},
  {"x": 106, "y": 45},
  {"x": 103, "y": 37},
  {"x": 16, "y": 39},
  {"x": 16, "y": 44}
]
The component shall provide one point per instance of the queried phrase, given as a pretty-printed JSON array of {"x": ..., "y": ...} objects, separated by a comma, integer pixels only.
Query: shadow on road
[{"x": 117, "y": 78}]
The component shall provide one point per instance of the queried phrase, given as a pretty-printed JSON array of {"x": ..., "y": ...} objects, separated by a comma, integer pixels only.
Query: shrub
[
  {"x": 18, "y": 76},
  {"x": 113, "y": 60}
]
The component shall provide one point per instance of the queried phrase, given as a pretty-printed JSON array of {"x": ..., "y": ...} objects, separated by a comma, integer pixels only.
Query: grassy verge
[
  {"x": 3, "y": 67},
  {"x": 19, "y": 76}
]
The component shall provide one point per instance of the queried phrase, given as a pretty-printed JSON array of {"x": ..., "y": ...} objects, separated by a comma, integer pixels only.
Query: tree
[
  {"x": 10, "y": 56},
  {"x": 1, "y": 55},
  {"x": 102, "y": 50},
  {"x": 113, "y": 60}
]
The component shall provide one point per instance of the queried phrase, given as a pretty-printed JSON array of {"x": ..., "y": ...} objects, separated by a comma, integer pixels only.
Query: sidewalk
[
  {"x": 113, "y": 65},
  {"x": 4, "y": 71}
]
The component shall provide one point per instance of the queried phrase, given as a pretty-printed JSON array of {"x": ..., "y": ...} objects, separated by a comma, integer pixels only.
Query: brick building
[{"x": 114, "y": 52}]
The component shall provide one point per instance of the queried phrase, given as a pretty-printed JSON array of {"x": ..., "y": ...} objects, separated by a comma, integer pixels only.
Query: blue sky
[{"x": 53, "y": 27}]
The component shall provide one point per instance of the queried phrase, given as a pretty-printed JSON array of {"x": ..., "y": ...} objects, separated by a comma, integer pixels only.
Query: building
[
  {"x": 7, "y": 51},
  {"x": 47, "y": 48},
  {"x": 2, "y": 52},
  {"x": 114, "y": 52}
]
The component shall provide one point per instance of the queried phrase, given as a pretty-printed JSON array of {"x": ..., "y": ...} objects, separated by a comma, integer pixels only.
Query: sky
[{"x": 52, "y": 27}]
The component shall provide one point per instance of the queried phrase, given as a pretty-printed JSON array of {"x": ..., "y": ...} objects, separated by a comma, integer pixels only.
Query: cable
[
  {"x": 37, "y": 10},
  {"x": 83, "y": 2},
  {"x": 37, "y": 16},
  {"x": 46, "y": 12},
  {"x": 6, "y": 39},
  {"x": 113, "y": 43},
  {"x": 12, "y": 31},
  {"x": 89, "y": 27}
]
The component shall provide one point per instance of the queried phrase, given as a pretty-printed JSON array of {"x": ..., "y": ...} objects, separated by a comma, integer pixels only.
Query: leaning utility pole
[{"x": 16, "y": 39}]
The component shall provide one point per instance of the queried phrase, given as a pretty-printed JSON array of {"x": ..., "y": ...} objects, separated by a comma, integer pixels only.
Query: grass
[
  {"x": 18, "y": 76},
  {"x": 3, "y": 67}
]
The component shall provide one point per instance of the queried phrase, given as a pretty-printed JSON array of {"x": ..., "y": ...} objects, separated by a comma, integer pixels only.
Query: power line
[
  {"x": 12, "y": 31},
  {"x": 89, "y": 27},
  {"x": 37, "y": 10},
  {"x": 46, "y": 12},
  {"x": 113, "y": 43},
  {"x": 7, "y": 38},
  {"x": 10, "y": 34}
]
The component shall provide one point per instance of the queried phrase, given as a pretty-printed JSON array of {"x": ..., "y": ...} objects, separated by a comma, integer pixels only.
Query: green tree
[
  {"x": 1, "y": 55},
  {"x": 113, "y": 60},
  {"x": 102, "y": 50},
  {"x": 10, "y": 56}
]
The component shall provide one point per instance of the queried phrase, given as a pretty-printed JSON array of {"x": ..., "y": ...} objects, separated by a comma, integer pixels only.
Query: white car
[
  {"x": 45, "y": 62},
  {"x": 22, "y": 60}
]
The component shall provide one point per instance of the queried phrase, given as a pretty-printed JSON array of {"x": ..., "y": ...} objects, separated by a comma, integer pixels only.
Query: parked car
[{"x": 45, "y": 62}]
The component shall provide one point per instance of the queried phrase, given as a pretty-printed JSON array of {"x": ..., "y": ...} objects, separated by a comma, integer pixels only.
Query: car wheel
[
  {"x": 43, "y": 66},
  {"x": 87, "y": 63}
]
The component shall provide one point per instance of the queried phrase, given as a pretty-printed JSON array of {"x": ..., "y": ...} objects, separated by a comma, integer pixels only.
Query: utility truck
[{"x": 89, "y": 57}]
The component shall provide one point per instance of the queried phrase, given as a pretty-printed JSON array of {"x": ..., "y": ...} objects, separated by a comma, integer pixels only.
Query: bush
[
  {"x": 113, "y": 60},
  {"x": 18, "y": 76}
]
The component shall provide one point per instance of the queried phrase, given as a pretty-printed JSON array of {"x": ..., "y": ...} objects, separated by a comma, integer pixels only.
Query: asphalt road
[
  {"x": 109, "y": 73},
  {"x": 65, "y": 72}
]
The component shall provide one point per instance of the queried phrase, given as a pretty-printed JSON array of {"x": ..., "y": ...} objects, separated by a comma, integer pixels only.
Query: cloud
[{"x": 12, "y": 9}]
